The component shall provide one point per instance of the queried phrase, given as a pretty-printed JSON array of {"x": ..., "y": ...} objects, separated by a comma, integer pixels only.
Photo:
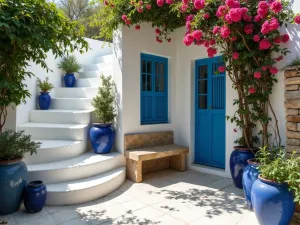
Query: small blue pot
[
  {"x": 273, "y": 203},
  {"x": 44, "y": 100},
  {"x": 35, "y": 194},
  {"x": 70, "y": 80},
  {"x": 249, "y": 177},
  {"x": 13, "y": 178},
  {"x": 238, "y": 162},
  {"x": 102, "y": 138}
]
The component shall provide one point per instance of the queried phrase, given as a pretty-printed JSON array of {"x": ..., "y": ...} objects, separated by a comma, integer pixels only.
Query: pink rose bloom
[
  {"x": 212, "y": 42},
  {"x": 256, "y": 38},
  {"x": 157, "y": 31},
  {"x": 199, "y": 42},
  {"x": 234, "y": 38},
  {"x": 265, "y": 28},
  {"x": 265, "y": 68},
  {"x": 197, "y": 34},
  {"x": 183, "y": 8},
  {"x": 188, "y": 39},
  {"x": 285, "y": 38},
  {"x": 236, "y": 14},
  {"x": 188, "y": 25},
  {"x": 235, "y": 55},
  {"x": 225, "y": 32},
  {"x": 206, "y": 44},
  {"x": 139, "y": 9},
  {"x": 297, "y": 19},
  {"x": 189, "y": 17},
  {"x": 248, "y": 28},
  {"x": 264, "y": 44},
  {"x": 228, "y": 19},
  {"x": 169, "y": 2},
  {"x": 206, "y": 16},
  {"x": 232, "y": 3},
  {"x": 128, "y": 21},
  {"x": 273, "y": 70},
  {"x": 247, "y": 17},
  {"x": 148, "y": 7},
  {"x": 263, "y": 9},
  {"x": 276, "y": 7},
  {"x": 185, "y": 1},
  {"x": 221, "y": 69},
  {"x": 257, "y": 18},
  {"x": 221, "y": 11},
  {"x": 277, "y": 40},
  {"x": 251, "y": 90},
  {"x": 211, "y": 52},
  {"x": 274, "y": 24},
  {"x": 199, "y": 4},
  {"x": 257, "y": 75},
  {"x": 216, "y": 29},
  {"x": 124, "y": 17},
  {"x": 137, "y": 27},
  {"x": 160, "y": 3}
]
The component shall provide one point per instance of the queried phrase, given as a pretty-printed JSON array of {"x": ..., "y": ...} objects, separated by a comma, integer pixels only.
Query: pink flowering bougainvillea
[{"x": 245, "y": 32}]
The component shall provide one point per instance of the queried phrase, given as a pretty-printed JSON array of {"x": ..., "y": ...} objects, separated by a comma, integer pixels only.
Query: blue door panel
[{"x": 203, "y": 136}]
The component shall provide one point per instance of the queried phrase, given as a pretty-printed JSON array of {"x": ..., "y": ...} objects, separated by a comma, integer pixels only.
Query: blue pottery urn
[
  {"x": 249, "y": 177},
  {"x": 238, "y": 162},
  {"x": 69, "y": 80},
  {"x": 272, "y": 202},
  {"x": 102, "y": 138},
  {"x": 13, "y": 178},
  {"x": 44, "y": 100},
  {"x": 35, "y": 194}
]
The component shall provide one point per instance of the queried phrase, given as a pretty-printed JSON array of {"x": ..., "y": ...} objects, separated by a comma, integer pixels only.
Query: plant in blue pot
[
  {"x": 277, "y": 189},
  {"x": 71, "y": 66},
  {"x": 13, "y": 171},
  {"x": 44, "y": 98},
  {"x": 102, "y": 134}
]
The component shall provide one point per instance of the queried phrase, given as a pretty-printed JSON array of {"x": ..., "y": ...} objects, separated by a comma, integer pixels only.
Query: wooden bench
[{"x": 151, "y": 152}]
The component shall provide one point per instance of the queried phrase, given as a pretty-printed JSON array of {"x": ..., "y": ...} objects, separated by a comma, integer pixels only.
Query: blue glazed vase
[
  {"x": 44, "y": 100},
  {"x": 35, "y": 194},
  {"x": 272, "y": 202},
  {"x": 250, "y": 175},
  {"x": 69, "y": 80},
  {"x": 238, "y": 162},
  {"x": 13, "y": 178},
  {"x": 102, "y": 138}
]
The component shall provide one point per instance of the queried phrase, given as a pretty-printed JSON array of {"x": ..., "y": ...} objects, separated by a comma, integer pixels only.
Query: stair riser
[
  {"x": 56, "y": 154},
  {"x": 79, "y": 172},
  {"x": 85, "y": 195},
  {"x": 76, "y": 92},
  {"x": 69, "y": 104},
  {"x": 104, "y": 59},
  {"x": 100, "y": 66},
  {"x": 45, "y": 133},
  {"x": 95, "y": 74},
  {"x": 59, "y": 117},
  {"x": 88, "y": 82}
]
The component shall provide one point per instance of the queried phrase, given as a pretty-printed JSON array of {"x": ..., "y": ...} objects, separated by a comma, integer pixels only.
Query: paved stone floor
[{"x": 166, "y": 197}]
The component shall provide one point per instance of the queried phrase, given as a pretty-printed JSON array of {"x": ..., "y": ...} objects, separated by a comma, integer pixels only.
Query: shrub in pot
[
  {"x": 44, "y": 97},
  {"x": 13, "y": 172},
  {"x": 102, "y": 134},
  {"x": 70, "y": 65},
  {"x": 277, "y": 189}
]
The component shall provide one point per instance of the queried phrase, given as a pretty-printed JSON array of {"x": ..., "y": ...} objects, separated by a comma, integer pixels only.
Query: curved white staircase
[{"x": 72, "y": 174}]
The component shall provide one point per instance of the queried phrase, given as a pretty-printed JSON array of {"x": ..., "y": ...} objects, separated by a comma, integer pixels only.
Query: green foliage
[
  {"x": 13, "y": 145},
  {"x": 277, "y": 166},
  {"x": 30, "y": 29},
  {"x": 45, "y": 85},
  {"x": 70, "y": 64},
  {"x": 294, "y": 62},
  {"x": 105, "y": 101}
]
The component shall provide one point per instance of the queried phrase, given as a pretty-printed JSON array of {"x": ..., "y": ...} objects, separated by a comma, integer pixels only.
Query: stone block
[
  {"x": 291, "y": 126},
  {"x": 293, "y": 135},
  {"x": 177, "y": 162},
  {"x": 292, "y": 148},
  {"x": 298, "y": 127},
  {"x": 290, "y": 73},
  {"x": 154, "y": 165},
  {"x": 290, "y": 141},
  {"x": 292, "y": 112},
  {"x": 291, "y": 87},
  {"x": 292, "y": 104},
  {"x": 134, "y": 170},
  {"x": 292, "y": 80},
  {"x": 292, "y": 95},
  {"x": 294, "y": 119}
]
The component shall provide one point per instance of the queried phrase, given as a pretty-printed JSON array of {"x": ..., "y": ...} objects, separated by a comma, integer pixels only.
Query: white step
[
  {"x": 85, "y": 190},
  {"x": 95, "y": 74},
  {"x": 47, "y": 131},
  {"x": 86, "y": 165},
  {"x": 60, "y": 116},
  {"x": 56, "y": 150},
  {"x": 99, "y": 66},
  {"x": 104, "y": 59},
  {"x": 83, "y": 92},
  {"x": 72, "y": 103},
  {"x": 88, "y": 82}
]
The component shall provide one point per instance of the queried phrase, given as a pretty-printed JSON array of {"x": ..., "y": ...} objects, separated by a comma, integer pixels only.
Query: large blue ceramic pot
[
  {"x": 272, "y": 202},
  {"x": 238, "y": 162},
  {"x": 102, "y": 138},
  {"x": 35, "y": 194},
  {"x": 69, "y": 80},
  {"x": 249, "y": 177},
  {"x": 13, "y": 177},
  {"x": 44, "y": 100}
]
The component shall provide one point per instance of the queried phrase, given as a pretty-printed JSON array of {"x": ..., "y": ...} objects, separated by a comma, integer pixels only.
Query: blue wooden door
[{"x": 210, "y": 113}]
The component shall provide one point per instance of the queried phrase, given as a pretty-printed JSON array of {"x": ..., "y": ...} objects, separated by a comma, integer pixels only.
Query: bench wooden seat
[{"x": 151, "y": 152}]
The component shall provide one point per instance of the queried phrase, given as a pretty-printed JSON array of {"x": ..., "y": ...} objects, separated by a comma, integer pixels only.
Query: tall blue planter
[
  {"x": 102, "y": 138},
  {"x": 272, "y": 202},
  {"x": 13, "y": 177},
  {"x": 238, "y": 162},
  {"x": 44, "y": 100},
  {"x": 35, "y": 194},
  {"x": 250, "y": 175},
  {"x": 69, "y": 80}
]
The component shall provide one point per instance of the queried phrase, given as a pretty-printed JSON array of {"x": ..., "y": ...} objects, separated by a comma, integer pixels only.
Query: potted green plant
[
  {"x": 13, "y": 172},
  {"x": 70, "y": 65},
  {"x": 102, "y": 134},
  {"x": 277, "y": 189},
  {"x": 44, "y": 97}
]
